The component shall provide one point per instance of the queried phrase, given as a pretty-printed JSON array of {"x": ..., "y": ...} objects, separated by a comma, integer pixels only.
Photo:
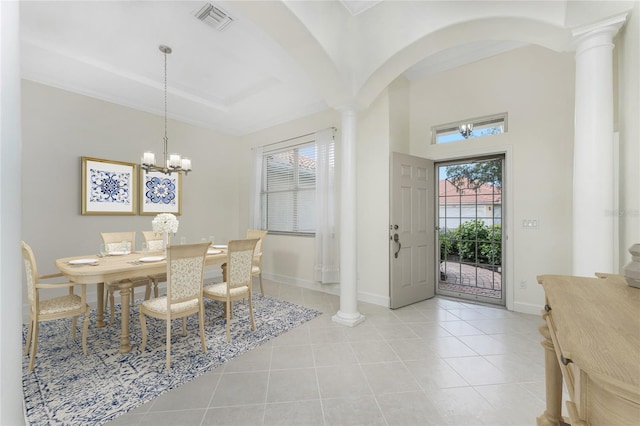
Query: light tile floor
[{"x": 437, "y": 362}]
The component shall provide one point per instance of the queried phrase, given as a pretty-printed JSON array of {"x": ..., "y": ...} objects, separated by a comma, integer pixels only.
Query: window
[
  {"x": 288, "y": 194},
  {"x": 469, "y": 129}
]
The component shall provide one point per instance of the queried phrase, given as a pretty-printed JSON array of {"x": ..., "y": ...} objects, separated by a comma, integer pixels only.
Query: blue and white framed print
[
  {"x": 160, "y": 193},
  {"x": 108, "y": 187}
]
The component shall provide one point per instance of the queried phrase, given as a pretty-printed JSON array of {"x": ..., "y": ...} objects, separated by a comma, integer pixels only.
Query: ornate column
[
  {"x": 10, "y": 217},
  {"x": 348, "y": 313},
  {"x": 593, "y": 168}
]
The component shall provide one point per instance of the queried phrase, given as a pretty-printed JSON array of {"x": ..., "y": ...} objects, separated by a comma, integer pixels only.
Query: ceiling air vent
[{"x": 214, "y": 16}]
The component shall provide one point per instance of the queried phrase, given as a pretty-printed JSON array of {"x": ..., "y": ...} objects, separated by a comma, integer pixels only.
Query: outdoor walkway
[{"x": 469, "y": 279}]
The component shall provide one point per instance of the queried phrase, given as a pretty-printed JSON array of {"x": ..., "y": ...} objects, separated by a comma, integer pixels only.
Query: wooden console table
[{"x": 592, "y": 340}]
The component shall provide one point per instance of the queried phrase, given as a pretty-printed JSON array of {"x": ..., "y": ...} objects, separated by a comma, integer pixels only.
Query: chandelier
[
  {"x": 172, "y": 163},
  {"x": 466, "y": 129}
]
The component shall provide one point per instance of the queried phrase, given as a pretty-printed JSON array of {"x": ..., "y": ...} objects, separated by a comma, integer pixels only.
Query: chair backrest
[
  {"x": 185, "y": 271},
  {"x": 257, "y": 233},
  {"x": 31, "y": 272},
  {"x": 113, "y": 240},
  {"x": 153, "y": 239},
  {"x": 239, "y": 262}
]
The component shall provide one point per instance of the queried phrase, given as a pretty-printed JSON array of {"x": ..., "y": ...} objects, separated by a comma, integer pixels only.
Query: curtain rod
[{"x": 298, "y": 137}]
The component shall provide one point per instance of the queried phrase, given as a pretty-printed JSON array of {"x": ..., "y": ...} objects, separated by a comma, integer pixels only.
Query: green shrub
[
  {"x": 470, "y": 233},
  {"x": 448, "y": 243},
  {"x": 473, "y": 241},
  {"x": 492, "y": 248}
]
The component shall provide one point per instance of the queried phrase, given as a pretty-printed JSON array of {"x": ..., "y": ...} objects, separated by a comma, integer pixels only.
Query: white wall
[
  {"x": 628, "y": 124},
  {"x": 58, "y": 127},
  {"x": 373, "y": 201},
  {"x": 535, "y": 86},
  {"x": 399, "y": 115}
]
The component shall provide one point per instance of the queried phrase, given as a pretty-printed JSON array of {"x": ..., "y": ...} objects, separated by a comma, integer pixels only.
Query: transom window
[{"x": 469, "y": 129}]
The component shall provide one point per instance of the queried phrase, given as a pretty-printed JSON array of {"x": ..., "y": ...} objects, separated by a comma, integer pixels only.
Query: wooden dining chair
[
  {"x": 256, "y": 267},
  {"x": 68, "y": 306},
  {"x": 185, "y": 276},
  {"x": 155, "y": 242},
  {"x": 113, "y": 242},
  {"x": 238, "y": 279}
]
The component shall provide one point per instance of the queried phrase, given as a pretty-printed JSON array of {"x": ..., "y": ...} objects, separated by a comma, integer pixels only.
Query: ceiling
[
  {"x": 274, "y": 62},
  {"x": 236, "y": 80}
]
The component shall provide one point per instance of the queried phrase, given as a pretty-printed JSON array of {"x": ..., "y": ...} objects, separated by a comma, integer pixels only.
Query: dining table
[{"x": 121, "y": 268}]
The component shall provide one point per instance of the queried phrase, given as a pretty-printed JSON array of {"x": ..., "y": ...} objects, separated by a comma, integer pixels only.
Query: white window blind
[{"x": 288, "y": 190}]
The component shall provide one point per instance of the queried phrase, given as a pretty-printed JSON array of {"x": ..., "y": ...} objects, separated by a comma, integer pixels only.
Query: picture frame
[
  {"x": 160, "y": 193},
  {"x": 108, "y": 187}
]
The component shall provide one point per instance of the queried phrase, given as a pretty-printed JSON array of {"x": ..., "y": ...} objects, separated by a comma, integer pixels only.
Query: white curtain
[
  {"x": 255, "y": 216},
  {"x": 327, "y": 262}
]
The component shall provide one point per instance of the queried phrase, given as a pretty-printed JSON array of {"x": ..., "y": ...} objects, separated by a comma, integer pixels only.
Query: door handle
[{"x": 396, "y": 238}]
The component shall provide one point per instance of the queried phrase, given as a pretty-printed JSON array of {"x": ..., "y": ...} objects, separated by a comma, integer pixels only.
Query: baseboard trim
[
  {"x": 527, "y": 308},
  {"x": 374, "y": 299},
  {"x": 334, "y": 289},
  {"x": 311, "y": 285}
]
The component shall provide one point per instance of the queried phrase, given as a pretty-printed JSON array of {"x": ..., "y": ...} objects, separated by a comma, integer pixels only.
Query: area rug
[{"x": 69, "y": 388}]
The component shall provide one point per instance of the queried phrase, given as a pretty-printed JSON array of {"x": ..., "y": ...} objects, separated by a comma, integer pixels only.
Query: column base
[{"x": 350, "y": 320}]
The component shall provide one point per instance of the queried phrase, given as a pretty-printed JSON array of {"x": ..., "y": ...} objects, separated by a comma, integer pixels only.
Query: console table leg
[{"x": 553, "y": 382}]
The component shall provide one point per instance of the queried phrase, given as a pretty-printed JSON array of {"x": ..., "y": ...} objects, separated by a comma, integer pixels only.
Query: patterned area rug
[{"x": 67, "y": 387}]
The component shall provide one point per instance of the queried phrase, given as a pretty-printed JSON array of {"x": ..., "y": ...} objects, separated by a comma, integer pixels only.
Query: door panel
[{"x": 412, "y": 237}]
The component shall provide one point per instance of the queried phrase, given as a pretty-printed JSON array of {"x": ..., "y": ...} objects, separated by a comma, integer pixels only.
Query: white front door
[{"x": 411, "y": 231}]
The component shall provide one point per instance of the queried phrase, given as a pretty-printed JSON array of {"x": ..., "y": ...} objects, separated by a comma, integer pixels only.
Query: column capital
[
  {"x": 348, "y": 115},
  {"x": 598, "y": 33}
]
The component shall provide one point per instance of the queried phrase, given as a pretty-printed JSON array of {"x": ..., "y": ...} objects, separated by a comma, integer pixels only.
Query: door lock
[{"x": 396, "y": 238}]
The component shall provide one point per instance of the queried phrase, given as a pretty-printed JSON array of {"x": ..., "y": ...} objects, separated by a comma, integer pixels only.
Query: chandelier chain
[{"x": 165, "y": 102}]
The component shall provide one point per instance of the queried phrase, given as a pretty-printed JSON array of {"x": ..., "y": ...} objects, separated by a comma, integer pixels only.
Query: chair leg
[
  {"x": 143, "y": 328},
  {"x": 184, "y": 326},
  {"x": 74, "y": 323},
  {"x": 34, "y": 345},
  {"x": 28, "y": 342},
  {"x": 229, "y": 307},
  {"x": 261, "y": 289},
  {"x": 155, "y": 288},
  {"x": 168, "y": 344},
  {"x": 201, "y": 323},
  {"x": 253, "y": 324},
  {"x": 85, "y": 330}
]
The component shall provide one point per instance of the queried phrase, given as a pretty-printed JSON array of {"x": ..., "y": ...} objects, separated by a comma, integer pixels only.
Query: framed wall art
[
  {"x": 108, "y": 187},
  {"x": 160, "y": 193}
]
